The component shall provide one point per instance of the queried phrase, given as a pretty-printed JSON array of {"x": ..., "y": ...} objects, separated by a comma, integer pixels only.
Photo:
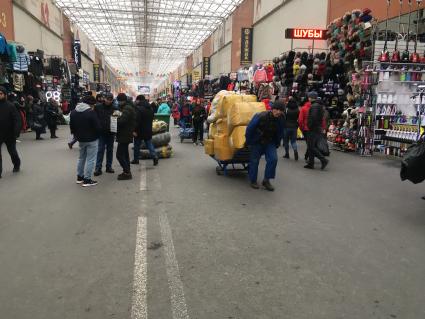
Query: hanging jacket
[
  {"x": 3, "y": 45},
  {"x": 270, "y": 73},
  {"x": 22, "y": 60},
  {"x": 260, "y": 76},
  {"x": 11, "y": 50}
]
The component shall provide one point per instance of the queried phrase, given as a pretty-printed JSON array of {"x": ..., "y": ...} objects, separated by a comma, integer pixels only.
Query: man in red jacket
[{"x": 303, "y": 118}]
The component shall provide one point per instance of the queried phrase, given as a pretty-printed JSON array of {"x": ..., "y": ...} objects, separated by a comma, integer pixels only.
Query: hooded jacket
[
  {"x": 22, "y": 60},
  {"x": 10, "y": 123},
  {"x": 84, "y": 123},
  {"x": 126, "y": 124},
  {"x": 164, "y": 109},
  {"x": 292, "y": 113}
]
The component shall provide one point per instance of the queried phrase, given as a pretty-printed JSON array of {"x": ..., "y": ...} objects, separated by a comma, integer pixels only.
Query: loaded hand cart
[
  {"x": 239, "y": 163},
  {"x": 186, "y": 131}
]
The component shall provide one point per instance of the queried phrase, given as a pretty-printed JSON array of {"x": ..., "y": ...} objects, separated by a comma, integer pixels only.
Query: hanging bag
[{"x": 322, "y": 145}]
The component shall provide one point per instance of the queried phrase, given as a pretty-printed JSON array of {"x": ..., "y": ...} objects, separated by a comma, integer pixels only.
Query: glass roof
[{"x": 153, "y": 36}]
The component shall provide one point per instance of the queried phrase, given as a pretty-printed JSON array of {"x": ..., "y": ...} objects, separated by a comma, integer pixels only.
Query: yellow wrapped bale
[
  {"x": 249, "y": 98},
  {"x": 230, "y": 100},
  {"x": 242, "y": 113},
  {"x": 212, "y": 131},
  {"x": 222, "y": 127},
  {"x": 237, "y": 139},
  {"x": 222, "y": 149},
  {"x": 209, "y": 147}
]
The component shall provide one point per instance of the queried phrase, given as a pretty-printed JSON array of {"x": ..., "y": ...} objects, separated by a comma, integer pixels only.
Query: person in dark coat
[
  {"x": 263, "y": 136},
  {"x": 126, "y": 125},
  {"x": 104, "y": 111},
  {"x": 316, "y": 125},
  {"x": 39, "y": 123},
  {"x": 52, "y": 115},
  {"x": 85, "y": 126},
  {"x": 199, "y": 115},
  {"x": 291, "y": 127},
  {"x": 10, "y": 127},
  {"x": 143, "y": 131}
]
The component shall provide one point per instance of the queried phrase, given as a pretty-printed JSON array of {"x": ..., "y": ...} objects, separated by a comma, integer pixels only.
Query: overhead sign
[
  {"x": 144, "y": 89},
  {"x": 246, "y": 46},
  {"x": 96, "y": 72},
  {"x": 76, "y": 53},
  {"x": 206, "y": 67},
  {"x": 196, "y": 75},
  {"x": 305, "y": 34},
  {"x": 6, "y": 19}
]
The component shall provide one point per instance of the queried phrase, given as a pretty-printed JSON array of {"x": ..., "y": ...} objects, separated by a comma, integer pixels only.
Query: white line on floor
[
  {"x": 143, "y": 179},
  {"x": 139, "y": 304},
  {"x": 178, "y": 301}
]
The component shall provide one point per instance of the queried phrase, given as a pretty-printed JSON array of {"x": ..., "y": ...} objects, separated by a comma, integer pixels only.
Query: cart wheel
[
  {"x": 181, "y": 139},
  {"x": 218, "y": 171}
]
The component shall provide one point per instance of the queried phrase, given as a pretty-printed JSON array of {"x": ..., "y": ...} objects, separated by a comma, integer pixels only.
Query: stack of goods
[
  {"x": 161, "y": 141},
  {"x": 228, "y": 121}
]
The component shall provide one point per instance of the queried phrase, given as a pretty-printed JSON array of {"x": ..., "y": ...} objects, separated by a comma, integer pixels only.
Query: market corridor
[{"x": 346, "y": 243}]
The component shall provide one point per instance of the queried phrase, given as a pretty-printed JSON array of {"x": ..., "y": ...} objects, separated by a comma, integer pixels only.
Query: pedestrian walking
[
  {"x": 143, "y": 131},
  {"x": 85, "y": 126},
  {"x": 199, "y": 116},
  {"x": 39, "y": 123},
  {"x": 302, "y": 121},
  {"x": 263, "y": 136},
  {"x": 104, "y": 111},
  {"x": 52, "y": 115},
  {"x": 126, "y": 125},
  {"x": 10, "y": 126},
  {"x": 291, "y": 127},
  {"x": 316, "y": 126}
]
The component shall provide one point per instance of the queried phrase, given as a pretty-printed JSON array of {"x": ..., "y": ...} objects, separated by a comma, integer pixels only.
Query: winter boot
[{"x": 296, "y": 155}]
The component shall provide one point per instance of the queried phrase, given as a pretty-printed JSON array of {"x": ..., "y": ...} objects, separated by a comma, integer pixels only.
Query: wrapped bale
[
  {"x": 212, "y": 131},
  {"x": 222, "y": 149},
  {"x": 159, "y": 127},
  {"x": 159, "y": 140},
  {"x": 162, "y": 152},
  {"x": 222, "y": 127},
  {"x": 230, "y": 100},
  {"x": 237, "y": 138},
  {"x": 216, "y": 104},
  {"x": 242, "y": 113},
  {"x": 209, "y": 147}
]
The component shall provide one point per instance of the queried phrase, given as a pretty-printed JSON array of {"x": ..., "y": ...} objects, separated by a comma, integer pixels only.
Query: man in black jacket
[
  {"x": 104, "y": 112},
  {"x": 291, "y": 127},
  {"x": 199, "y": 115},
  {"x": 143, "y": 131},
  {"x": 316, "y": 125},
  {"x": 9, "y": 130},
  {"x": 126, "y": 126},
  {"x": 85, "y": 126}
]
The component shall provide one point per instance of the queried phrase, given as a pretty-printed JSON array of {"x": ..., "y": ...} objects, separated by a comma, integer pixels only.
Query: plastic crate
[{"x": 163, "y": 117}]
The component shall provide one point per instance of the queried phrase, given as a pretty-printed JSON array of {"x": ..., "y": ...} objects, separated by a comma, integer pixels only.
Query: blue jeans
[
  {"x": 87, "y": 159},
  {"x": 105, "y": 142},
  {"x": 290, "y": 136},
  {"x": 138, "y": 144},
  {"x": 258, "y": 150}
]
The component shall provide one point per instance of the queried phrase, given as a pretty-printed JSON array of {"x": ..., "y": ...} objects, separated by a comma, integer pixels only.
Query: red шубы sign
[{"x": 305, "y": 34}]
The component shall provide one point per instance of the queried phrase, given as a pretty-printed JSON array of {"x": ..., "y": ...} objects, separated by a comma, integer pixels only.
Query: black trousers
[
  {"x": 199, "y": 131},
  {"x": 313, "y": 151},
  {"x": 305, "y": 134},
  {"x": 123, "y": 156},
  {"x": 53, "y": 128},
  {"x": 11, "y": 148}
]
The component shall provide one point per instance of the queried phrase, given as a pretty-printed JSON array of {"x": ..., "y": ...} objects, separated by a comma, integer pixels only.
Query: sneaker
[
  {"x": 255, "y": 185},
  {"x": 324, "y": 164},
  {"x": 308, "y": 166},
  {"x": 195, "y": 143},
  {"x": 18, "y": 141},
  {"x": 125, "y": 177},
  {"x": 110, "y": 171},
  {"x": 39, "y": 139},
  {"x": 16, "y": 169},
  {"x": 201, "y": 143},
  {"x": 97, "y": 172},
  {"x": 155, "y": 161},
  {"x": 268, "y": 186},
  {"x": 89, "y": 182},
  {"x": 135, "y": 162},
  {"x": 80, "y": 179}
]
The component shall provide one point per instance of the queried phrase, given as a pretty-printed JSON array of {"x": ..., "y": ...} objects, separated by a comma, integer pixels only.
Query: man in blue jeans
[
  {"x": 263, "y": 136},
  {"x": 104, "y": 112},
  {"x": 143, "y": 131},
  {"x": 85, "y": 126}
]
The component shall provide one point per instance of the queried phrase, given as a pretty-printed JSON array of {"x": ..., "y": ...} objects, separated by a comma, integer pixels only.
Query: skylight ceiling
[{"x": 147, "y": 35}]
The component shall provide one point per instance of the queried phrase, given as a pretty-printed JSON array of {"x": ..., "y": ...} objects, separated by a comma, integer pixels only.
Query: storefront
[
  {"x": 272, "y": 17},
  {"x": 38, "y": 26}
]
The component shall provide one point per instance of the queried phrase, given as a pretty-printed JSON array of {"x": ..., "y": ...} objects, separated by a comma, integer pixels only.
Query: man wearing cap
[
  {"x": 263, "y": 136},
  {"x": 104, "y": 111},
  {"x": 316, "y": 124},
  {"x": 10, "y": 126},
  {"x": 85, "y": 126},
  {"x": 126, "y": 127}
]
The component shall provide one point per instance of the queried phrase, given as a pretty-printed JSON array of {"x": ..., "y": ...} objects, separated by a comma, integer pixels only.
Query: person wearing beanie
[
  {"x": 85, "y": 127},
  {"x": 104, "y": 111},
  {"x": 263, "y": 136},
  {"x": 10, "y": 126},
  {"x": 291, "y": 127},
  {"x": 126, "y": 126},
  {"x": 316, "y": 125}
]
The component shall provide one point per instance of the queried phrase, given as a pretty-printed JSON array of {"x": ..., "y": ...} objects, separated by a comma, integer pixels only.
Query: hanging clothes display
[
  {"x": 22, "y": 60},
  {"x": 18, "y": 82}
]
